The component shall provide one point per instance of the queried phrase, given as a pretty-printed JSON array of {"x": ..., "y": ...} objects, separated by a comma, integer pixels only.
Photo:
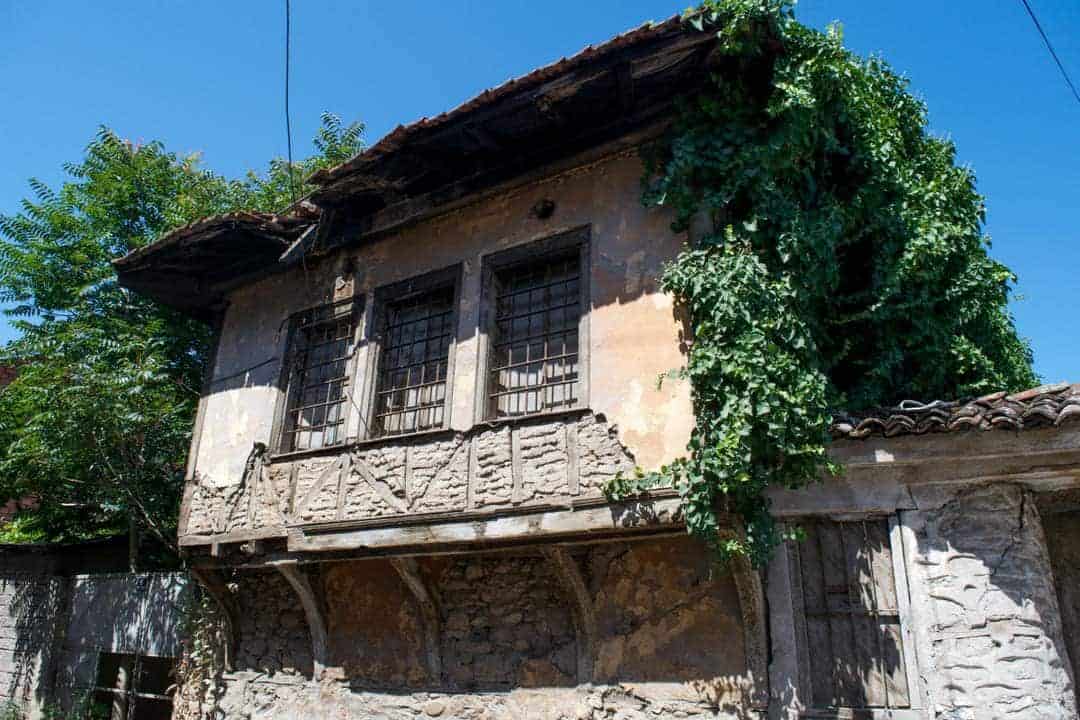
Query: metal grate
[
  {"x": 410, "y": 394},
  {"x": 136, "y": 687},
  {"x": 534, "y": 350},
  {"x": 318, "y": 383}
]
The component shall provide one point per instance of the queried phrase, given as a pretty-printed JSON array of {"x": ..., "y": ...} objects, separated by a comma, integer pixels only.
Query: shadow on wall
[
  {"x": 59, "y": 625},
  {"x": 624, "y": 269},
  {"x": 849, "y": 625},
  {"x": 993, "y": 614},
  {"x": 662, "y": 624},
  {"x": 34, "y": 609}
]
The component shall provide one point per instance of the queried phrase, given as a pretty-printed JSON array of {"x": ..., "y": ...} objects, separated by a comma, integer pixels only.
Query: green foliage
[
  {"x": 838, "y": 260},
  {"x": 202, "y": 659},
  {"x": 97, "y": 422},
  {"x": 334, "y": 143},
  {"x": 12, "y": 710}
]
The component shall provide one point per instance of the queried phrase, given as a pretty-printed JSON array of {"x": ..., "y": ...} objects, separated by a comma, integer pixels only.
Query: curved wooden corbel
[
  {"x": 313, "y": 611},
  {"x": 584, "y": 615},
  {"x": 213, "y": 582},
  {"x": 409, "y": 572},
  {"x": 755, "y": 639}
]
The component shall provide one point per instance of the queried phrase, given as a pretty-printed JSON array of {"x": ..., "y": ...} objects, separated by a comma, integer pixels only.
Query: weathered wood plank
[{"x": 619, "y": 519}]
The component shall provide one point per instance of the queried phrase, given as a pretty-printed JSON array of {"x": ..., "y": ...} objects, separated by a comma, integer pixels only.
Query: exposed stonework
[
  {"x": 273, "y": 636},
  {"x": 670, "y": 641},
  {"x": 986, "y": 602},
  {"x": 539, "y": 462},
  {"x": 507, "y": 623},
  {"x": 248, "y": 697}
]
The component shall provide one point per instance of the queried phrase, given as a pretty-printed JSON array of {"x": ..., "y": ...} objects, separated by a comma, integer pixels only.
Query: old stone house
[{"x": 425, "y": 372}]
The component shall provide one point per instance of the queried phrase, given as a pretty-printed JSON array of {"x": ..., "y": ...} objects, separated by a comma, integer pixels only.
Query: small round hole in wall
[{"x": 543, "y": 209}]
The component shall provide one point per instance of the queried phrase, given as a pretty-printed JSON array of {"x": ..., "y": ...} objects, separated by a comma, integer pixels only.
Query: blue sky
[{"x": 207, "y": 76}]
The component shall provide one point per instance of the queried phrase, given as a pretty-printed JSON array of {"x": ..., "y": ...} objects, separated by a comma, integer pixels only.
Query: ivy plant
[{"x": 836, "y": 259}]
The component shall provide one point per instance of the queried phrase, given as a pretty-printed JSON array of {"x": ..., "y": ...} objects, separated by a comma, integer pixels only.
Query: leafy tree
[
  {"x": 97, "y": 422},
  {"x": 843, "y": 264}
]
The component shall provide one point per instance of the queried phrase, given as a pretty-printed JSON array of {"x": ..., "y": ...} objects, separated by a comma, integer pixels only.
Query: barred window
[
  {"x": 417, "y": 332},
  {"x": 135, "y": 687},
  {"x": 320, "y": 348},
  {"x": 534, "y": 365}
]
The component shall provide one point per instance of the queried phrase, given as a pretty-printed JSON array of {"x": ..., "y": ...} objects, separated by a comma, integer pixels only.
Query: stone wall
[
  {"x": 272, "y": 635},
  {"x": 984, "y": 598},
  {"x": 665, "y": 639}
]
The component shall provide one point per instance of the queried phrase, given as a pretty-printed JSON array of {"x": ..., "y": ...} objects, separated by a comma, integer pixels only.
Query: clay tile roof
[
  {"x": 187, "y": 267},
  {"x": 287, "y": 227},
  {"x": 1044, "y": 406},
  {"x": 399, "y": 135}
]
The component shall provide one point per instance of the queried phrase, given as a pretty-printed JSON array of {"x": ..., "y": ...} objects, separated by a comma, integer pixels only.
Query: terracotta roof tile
[
  {"x": 287, "y": 226},
  {"x": 1044, "y": 406},
  {"x": 399, "y": 135}
]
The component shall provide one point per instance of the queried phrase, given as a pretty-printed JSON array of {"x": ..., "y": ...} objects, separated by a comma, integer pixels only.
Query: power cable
[
  {"x": 1050, "y": 47},
  {"x": 288, "y": 121}
]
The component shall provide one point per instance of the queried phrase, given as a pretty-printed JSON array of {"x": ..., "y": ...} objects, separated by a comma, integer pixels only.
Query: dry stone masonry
[{"x": 668, "y": 642}]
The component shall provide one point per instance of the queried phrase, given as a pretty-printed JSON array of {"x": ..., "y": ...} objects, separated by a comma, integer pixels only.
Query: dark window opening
[
  {"x": 132, "y": 687},
  {"x": 414, "y": 357},
  {"x": 534, "y": 363},
  {"x": 318, "y": 382}
]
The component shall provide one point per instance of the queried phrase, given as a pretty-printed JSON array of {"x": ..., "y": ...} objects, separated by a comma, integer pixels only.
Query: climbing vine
[
  {"x": 836, "y": 259},
  {"x": 202, "y": 659}
]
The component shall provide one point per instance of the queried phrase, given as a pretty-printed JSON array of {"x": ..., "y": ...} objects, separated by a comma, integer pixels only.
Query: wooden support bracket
[
  {"x": 313, "y": 611},
  {"x": 755, "y": 639},
  {"x": 426, "y": 598},
  {"x": 213, "y": 583},
  {"x": 584, "y": 612}
]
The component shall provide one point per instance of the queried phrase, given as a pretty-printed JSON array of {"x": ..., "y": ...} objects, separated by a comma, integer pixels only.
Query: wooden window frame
[
  {"x": 396, "y": 292},
  {"x": 579, "y": 239},
  {"x": 280, "y": 427}
]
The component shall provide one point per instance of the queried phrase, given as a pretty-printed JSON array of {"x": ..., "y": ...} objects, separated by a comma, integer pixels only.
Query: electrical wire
[
  {"x": 288, "y": 121},
  {"x": 1050, "y": 47},
  {"x": 288, "y": 135}
]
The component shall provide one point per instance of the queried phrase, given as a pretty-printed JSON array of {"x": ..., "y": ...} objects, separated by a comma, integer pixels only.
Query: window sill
[
  {"x": 561, "y": 414},
  {"x": 431, "y": 435}
]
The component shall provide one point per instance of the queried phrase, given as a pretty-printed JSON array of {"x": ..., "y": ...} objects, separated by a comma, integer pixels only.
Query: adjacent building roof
[{"x": 1045, "y": 406}]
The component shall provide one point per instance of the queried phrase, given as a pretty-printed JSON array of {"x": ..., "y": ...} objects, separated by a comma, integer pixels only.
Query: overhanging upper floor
[{"x": 500, "y": 138}]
